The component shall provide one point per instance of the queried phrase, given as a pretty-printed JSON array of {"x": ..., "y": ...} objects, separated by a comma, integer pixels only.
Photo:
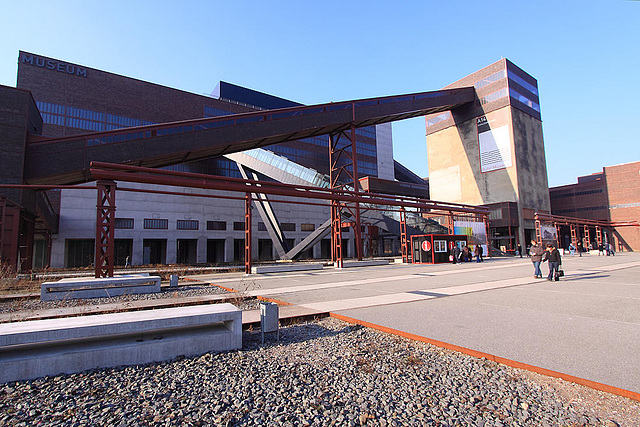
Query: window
[
  {"x": 490, "y": 79},
  {"x": 288, "y": 226},
  {"x": 307, "y": 227},
  {"x": 440, "y": 245},
  {"x": 437, "y": 119},
  {"x": 525, "y": 84},
  {"x": 188, "y": 224},
  {"x": 494, "y": 96},
  {"x": 525, "y": 100},
  {"x": 156, "y": 224},
  {"x": 125, "y": 223},
  {"x": 262, "y": 227},
  {"x": 214, "y": 112},
  {"x": 216, "y": 225},
  {"x": 238, "y": 225}
]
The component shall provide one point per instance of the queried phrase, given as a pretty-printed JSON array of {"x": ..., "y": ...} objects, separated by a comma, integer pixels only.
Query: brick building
[
  {"x": 491, "y": 152},
  {"x": 611, "y": 195}
]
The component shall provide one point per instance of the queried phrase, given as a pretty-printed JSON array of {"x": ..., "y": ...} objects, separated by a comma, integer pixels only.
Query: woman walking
[{"x": 555, "y": 261}]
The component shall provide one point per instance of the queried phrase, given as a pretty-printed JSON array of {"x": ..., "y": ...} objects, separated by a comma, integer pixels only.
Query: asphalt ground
[{"x": 585, "y": 327}]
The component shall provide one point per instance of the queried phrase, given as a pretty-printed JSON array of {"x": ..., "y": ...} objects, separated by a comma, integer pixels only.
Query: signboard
[
  {"x": 494, "y": 144},
  {"x": 549, "y": 233},
  {"x": 426, "y": 246}
]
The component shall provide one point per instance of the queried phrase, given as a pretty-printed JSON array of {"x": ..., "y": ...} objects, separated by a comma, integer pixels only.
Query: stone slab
[
  {"x": 104, "y": 287},
  {"x": 368, "y": 263},
  {"x": 286, "y": 267},
  {"x": 39, "y": 348}
]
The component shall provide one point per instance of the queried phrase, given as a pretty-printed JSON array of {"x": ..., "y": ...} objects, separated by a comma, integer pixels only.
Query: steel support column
[
  {"x": 599, "y": 236},
  {"x": 336, "y": 235},
  {"x": 574, "y": 235},
  {"x": 555, "y": 224},
  {"x": 403, "y": 236},
  {"x": 587, "y": 238},
  {"x": 538, "y": 230},
  {"x": 343, "y": 174},
  {"x": 105, "y": 228},
  {"x": 485, "y": 219},
  {"x": 247, "y": 233},
  {"x": 450, "y": 222}
]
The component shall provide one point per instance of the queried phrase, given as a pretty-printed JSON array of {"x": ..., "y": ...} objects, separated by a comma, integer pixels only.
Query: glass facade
[
  {"x": 310, "y": 152},
  {"x": 80, "y": 118}
]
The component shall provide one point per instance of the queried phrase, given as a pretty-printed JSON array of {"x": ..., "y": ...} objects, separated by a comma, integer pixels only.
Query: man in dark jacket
[
  {"x": 536, "y": 252},
  {"x": 456, "y": 254},
  {"x": 555, "y": 261}
]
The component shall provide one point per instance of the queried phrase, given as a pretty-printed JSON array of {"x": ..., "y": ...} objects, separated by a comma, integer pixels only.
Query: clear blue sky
[{"x": 584, "y": 54}]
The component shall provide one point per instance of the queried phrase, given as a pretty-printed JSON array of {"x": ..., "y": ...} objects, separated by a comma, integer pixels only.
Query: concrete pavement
[{"x": 585, "y": 327}]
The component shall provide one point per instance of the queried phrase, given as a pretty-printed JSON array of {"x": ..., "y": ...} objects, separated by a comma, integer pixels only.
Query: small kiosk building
[{"x": 434, "y": 248}]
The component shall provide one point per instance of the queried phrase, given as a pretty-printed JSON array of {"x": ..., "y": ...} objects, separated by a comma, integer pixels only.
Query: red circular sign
[
  {"x": 451, "y": 244},
  {"x": 426, "y": 246}
]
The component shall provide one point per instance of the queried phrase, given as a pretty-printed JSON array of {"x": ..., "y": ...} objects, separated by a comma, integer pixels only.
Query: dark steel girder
[
  {"x": 193, "y": 180},
  {"x": 67, "y": 160}
]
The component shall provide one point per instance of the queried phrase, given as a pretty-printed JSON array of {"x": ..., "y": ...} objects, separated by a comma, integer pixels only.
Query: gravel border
[{"x": 321, "y": 373}]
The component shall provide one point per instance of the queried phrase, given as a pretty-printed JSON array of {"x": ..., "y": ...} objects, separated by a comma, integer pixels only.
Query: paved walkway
[{"x": 586, "y": 326}]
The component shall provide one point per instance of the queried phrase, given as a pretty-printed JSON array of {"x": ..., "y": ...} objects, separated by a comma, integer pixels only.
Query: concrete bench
[
  {"x": 286, "y": 267},
  {"x": 366, "y": 263},
  {"x": 40, "y": 348},
  {"x": 104, "y": 287}
]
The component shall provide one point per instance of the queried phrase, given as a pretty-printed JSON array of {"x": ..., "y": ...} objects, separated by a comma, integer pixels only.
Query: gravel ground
[
  {"x": 185, "y": 290},
  {"x": 321, "y": 373}
]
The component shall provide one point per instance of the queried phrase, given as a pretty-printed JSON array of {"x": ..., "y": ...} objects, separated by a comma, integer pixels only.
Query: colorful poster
[{"x": 476, "y": 232}]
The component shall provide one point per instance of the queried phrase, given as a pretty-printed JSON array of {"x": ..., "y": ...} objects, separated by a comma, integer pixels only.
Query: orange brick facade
[{"x": 611, "y": 195}]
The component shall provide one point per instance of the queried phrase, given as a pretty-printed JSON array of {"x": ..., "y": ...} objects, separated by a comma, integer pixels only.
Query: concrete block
[
  {"x": 173, "y": 280},
  {"x": 82, "y": 287},
  {"x": 369, "y": 263},
  {"x": 286, "y": 267},
  {"x": 39, "y": 348}
]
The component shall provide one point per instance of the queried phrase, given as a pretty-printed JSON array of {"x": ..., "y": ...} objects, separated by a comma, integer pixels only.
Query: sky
[{"x": 584, "y": 54}]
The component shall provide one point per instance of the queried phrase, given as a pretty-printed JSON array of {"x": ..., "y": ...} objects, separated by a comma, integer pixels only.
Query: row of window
[
  {"x": 525, "y": 100},
  {"x": 494, "y": 96},
  {"x": 437, "y": 119},
  {"x": 81, "y": 118},
  {"x": 587, "y": 209},
  {"x": 490, "y": 79},
  {"x": 625, "y": 205},
  {"x": 215, "y": 112},
  {"x": 369, "y": 132},
  {"x": 525, "y": 84},
  {"x": 193, "y": 224},
  {"x": 576, "y": 193}
]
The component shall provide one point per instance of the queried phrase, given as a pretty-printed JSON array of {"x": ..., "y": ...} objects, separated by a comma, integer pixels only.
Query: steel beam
[
  {"x": 105, "y": 228},
  {"x": 247, "y": 233}
]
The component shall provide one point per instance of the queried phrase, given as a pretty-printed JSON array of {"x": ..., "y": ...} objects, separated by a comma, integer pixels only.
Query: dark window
[
  {"x": 262, "y": 227},
  {"x": 238, "y": 225},
  {"x": 80, "y": 252},
  {"x": 126, "y": 223},
  {"x": 216, "y": 225},
  {"x": 288, "y": 226},
  {"x": 188, "y": 224},
  {"x": 307, "y": 227},
  {"x": 156, "y": 224}
]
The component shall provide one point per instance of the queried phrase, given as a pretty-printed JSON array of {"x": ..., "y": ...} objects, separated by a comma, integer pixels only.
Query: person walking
[
  {"x": 580, "y": 249},
  {"x": 455, "y": 252},
  {"x": 520, "y": 249},
  {"x": 555, "y": 261},
  {"x": 478, "y": 253},
  {"x": 536, "y": 253}
]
